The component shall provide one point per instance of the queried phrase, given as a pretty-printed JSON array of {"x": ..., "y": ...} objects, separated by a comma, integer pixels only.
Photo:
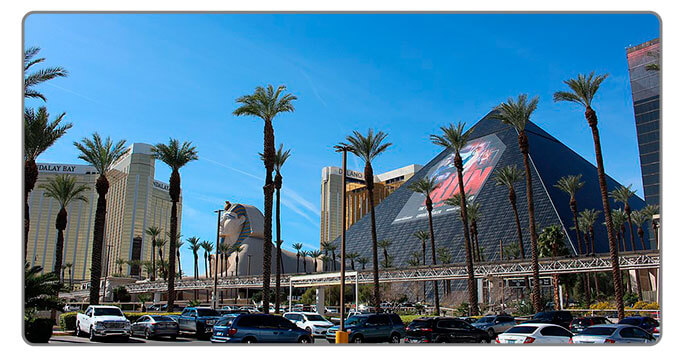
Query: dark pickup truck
[{"x": 198, "y": 320}]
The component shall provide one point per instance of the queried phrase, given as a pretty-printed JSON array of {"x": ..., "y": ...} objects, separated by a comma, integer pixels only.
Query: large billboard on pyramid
[{"x": 479, "y": 160}]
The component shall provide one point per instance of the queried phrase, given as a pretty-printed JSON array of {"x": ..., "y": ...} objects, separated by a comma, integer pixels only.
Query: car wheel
[
  {"x": 358, "y": 339},
  {"x": 304, "y": 339},
  {"x": 491, "y": 333},
  {"x": 309, "y": 329},
  {"x": 91, "y": 334},
  {"x": 395, "y": 338},
  {"x": 147, "y": 334},
  {"x": 78, "y": 332},
  {"x": 249, "y": 340}
]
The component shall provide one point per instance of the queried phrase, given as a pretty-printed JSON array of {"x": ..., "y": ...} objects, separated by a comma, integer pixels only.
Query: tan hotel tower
[
  {"x": 135, "y": 201},
  {"x": 356, "y": 192}
]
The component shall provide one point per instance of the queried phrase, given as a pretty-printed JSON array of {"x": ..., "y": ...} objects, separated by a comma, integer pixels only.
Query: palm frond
[
  {"x": 100, "y": 154},
  {"x": 175, "y": 155},
  {"x": 265, "y": 103},
  {"x": 582, "y": 89},
  {"x": 516, "y": 113},
  {"x": 367, "y": 147},
  {"x": 622, "y": 193},
  {"x": 453, "y": 137},
  {"x": 425, "y": 185},
  {"x": 570, "y": 184},
  {"x": 508, "y": 176},
  {"x": 64, "y": 189},
  {"x": 40, "y": 133}
]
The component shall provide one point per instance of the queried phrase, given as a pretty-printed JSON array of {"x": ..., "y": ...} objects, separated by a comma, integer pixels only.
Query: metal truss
[{"x": 514, "y": 268}]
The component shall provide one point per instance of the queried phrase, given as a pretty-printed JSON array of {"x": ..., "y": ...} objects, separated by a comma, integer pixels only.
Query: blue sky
[{"x": 145, "y": 78}]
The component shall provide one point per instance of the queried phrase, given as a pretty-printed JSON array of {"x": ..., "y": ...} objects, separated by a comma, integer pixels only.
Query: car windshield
[
  {"x": 522, "y": 329},
  {"x": 162, "y": 318},
  {"x": 315, "y": 318},
  {"x": 420, "y": 324},
  {"x": 107, "y": 311},
  {"x": 486, "y": 319},
  {"x": 226, "y": 321},
  {"x": 543, "y": 315},
  {"x": 356, "y": 320},
  {"x": 598, "y": 331},
  {"x": 207, "y": 312}
]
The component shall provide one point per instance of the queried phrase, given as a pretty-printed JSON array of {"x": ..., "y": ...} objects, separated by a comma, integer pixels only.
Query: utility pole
[
  {"x": 216, "y": 256},
  {"x": 343, "y": 149},
  {"x": 249, "y": 273}
]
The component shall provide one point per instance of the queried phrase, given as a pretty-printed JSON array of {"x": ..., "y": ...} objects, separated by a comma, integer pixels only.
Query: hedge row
[{"x": 67, "y": 319}]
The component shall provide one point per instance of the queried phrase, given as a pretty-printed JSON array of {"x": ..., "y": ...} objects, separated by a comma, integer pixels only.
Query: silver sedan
[
  {"x": 613, "y": 333},
  {"x": 150, "y": 326}
]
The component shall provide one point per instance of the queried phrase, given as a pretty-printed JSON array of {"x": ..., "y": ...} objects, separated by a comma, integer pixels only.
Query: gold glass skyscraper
[{"x": 135, "y": 201}]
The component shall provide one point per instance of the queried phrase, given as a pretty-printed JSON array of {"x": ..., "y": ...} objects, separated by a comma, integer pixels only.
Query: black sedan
[{"x": 444, "y": 330}]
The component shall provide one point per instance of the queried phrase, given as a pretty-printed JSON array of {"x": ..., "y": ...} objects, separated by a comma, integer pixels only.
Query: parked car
[
  {"x": 495, "y": 324},
  {"x": 557, "y": 317},
  {"x": 314, "y": 323},
  {"x": 581, "y": 323},
  {"x": 647, "y": 323},
  {"x": 258, "y": 328},
  {"x": 103, "y": 321},
  {"x": 163, "y": 307},
  {"x": 468, "y": 319},
  {"x": 613, "y": 333},
  {"x": 150, "y": 326},
  {"x": 535, "y": 333},
  {"x": 198, "y": 320},
  {"x": 223, "y": 312},
  {"x": 444, "y": 330},
  {"x": 371, "y": 328}
]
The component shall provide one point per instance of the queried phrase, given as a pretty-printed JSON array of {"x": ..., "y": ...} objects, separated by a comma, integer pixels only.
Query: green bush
[
  {"x": 67, "y": 321},
  {"x": 38, "y": 330},
  {"x": 407, "y": 319}
]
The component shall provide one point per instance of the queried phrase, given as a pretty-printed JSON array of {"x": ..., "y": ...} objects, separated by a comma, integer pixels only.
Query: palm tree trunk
[
  {"x": 178, "y": 260},
  {"x": 555, "y": 285},
  {"x": 591, "y": 116},
  {"x": 574, "y": 211},
  {"x": 429, "y": 207},
  {"x": 269, "y": 157},
  {"x": 586, "y": 289},
  {"x": 297, "y": 261},
  {"x": 174, "y": 193},
  {"x": 152, "y": 260},
  {"x": 472, "y": 286},
  {"x": 640, "y": 234},
  {"x": 61, "y": 223},
  {"x": 30, "y": 178},
  {"x": 369, "y": 178},
  {"x": 196, "y": 270},
  {"x": 278, "y": 251},
  {"x": 97, "y": 244},
  {"x": 536, "y": 293}
]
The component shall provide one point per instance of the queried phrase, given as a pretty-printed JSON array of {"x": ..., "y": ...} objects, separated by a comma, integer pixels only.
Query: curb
[{"x": 63, "y": 333}]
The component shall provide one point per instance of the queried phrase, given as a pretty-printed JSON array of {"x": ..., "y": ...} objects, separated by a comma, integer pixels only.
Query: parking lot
[{"x": 180, "y": 341}]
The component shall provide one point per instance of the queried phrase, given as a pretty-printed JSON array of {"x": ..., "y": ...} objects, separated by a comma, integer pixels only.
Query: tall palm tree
[
  {"x": 39, "y": 135},
  {"x": 582, "y": 91},
  {"x": 571, "y": 184},
  {"x": 281, "y": 157},
  {"x": 426, "y": 186},
  {"x": 455, "y": 138},
  {"x": 39, "y": 76},
  {"x": 473, "y": 209},
  {"x": 622, "y": 195},
  {"x": 267, "y": 103},
  {"x": 298, "y": 247},
  {"x": 551, "y": 244},
  {"x": 194, "y": 246},
  {"x": 508, "y": 176},
  {"x": 445, "y": 257},
  {"x": 315, "y": 254},
  {"x": 224, "y": 248},
  {"x": 588, "y": 219},
  {"x": 207, "y": 247},
  {"x": 179, "y": 244},
  {"x": 517, "y": 114},
  {"x": 175, "y": 156},
  {"x": 618, "y": 220},
  {"x": 100, "y": 154},
  {"x": 237, "y": 250},
  {"x": 160, "y": 244},
  {"x": 65, "y": 190},
  {"x": 304, "y": 254},
  {"x": 368, "y": 148},
  {"x": 147, "y": 265},
  {"x": 352, "y": 256},
  {"x": 638, "y": 218},
  {"x": 650, "y": 211},
  {"x": 120, "y": 262},
  {"x": 153, "y": 232},
  {"x": 384, "y": 244},
  {"x": 363, "y": 261},
  {"x": 423, "y": 236},
  {"x": 69, "y": 266}
]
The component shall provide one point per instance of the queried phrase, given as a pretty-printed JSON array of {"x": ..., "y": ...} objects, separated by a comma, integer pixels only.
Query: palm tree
[
  {"x": 511, "y": 251},
  {"x": 237, "y": 250},
  {"x": 473, "y": 209},
  {"x": 39, "y": 135},
  {"x": 195, "y": 245},
  {"x": 368, "y": 148},
  {"x": 583, "y": 89},
  {"x": 622, "y": 195},
  {"x": 422, "y": 236},
  {"x": 40, "y": 76},
  {"x": 208, "y": 247},
  {"x": 517, "y": 114},
  {"x": 281, "y": 157},
  {"x": 224, "y": 248},
  {"x": 508, "y": 176},
  {"x": 650, "y": 211},
  {"x": 41, "y": 291},
  {"x": 160, "y": 244},
  {"x": 385, "y": 244},
  {"x": 147, "y": 265},
  {"x": 120, "y": 262},
  {"x": 571, "y": 184},
  {"x": 618, "y": 220},
  {"x": 315, "y": 254},
  {"x": 100, "y": 154},
  {"x": 304, "y": 254},
  {"x": 69, "y": 266},
  {"x": 352, "y": 256},
  {"x": 444, "y": 256},
  {"x": 179, "y": 244},
  {"x": 298, "y": 247},
  {"x": 638, "y": 218},
  {"x": 551, "y": 244},
  {"x": 65, "y": 190},
  {"x": 455, "y": 201},
  {"x": 455, "y": 138},
  {"x": 588, "y": 219},
  {"x": 363, "y": 261},
  {"x": 426, "y": 186},
  {"x": 267, "y": 103},
  {"x": 153, "y": 232},
  {"x": 176, "y": 156}
]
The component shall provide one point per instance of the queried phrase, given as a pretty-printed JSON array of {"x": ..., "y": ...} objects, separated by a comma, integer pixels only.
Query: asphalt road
[{"x": 180, "y": 341}]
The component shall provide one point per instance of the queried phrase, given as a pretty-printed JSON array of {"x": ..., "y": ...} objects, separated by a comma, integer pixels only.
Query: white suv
[{"x": 314, "y": 323}]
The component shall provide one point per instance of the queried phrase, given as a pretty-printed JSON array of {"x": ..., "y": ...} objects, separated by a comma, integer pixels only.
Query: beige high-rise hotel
[{"x": 135, "y": 201}]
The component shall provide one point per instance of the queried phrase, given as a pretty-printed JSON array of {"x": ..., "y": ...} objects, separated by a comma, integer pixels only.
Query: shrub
[
  {"x": 643, "y": 305},
  {"x": 67, "y": 321},
  {"x": 602, "y": 305},
  {"x": 462, "y": 309},
  {"x": 629, "y": 299},
  {"x": 407, "y": 319},
  {"x": 38, "y": 330}
]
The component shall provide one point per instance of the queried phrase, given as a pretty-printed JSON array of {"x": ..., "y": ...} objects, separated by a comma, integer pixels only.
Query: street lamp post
[
  {"x": 249, "y": 272},
  {"x": 216, "y": 256},
  {"x": 344, "y": 150}
]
